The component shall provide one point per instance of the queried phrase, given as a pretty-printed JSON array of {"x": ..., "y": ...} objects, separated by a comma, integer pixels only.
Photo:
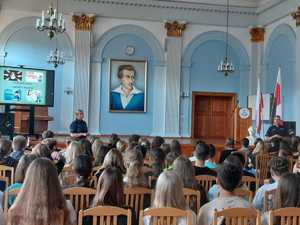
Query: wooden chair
[
  {"x": 67, "y": 175},
  {"x": 237, "y": 216},
  {"x": 192, "y": 198},
  {"x": 80, "y": 197},
  {"x": 8, "y": 194},
  {"x": 244, "y": 193},
  {"x": 135, "y": 198},
  {"x": 269, "y": 197},
  {"x": 7, "y": 171},
  {"x": 166, "y": 216},
  {"x": 292, "y": 163},
  {"x": 152, "y": 181},
  {"x": 94, "y": 178},
  {"x": 262, "y": 167},
  {"x": 248, "y": 181},
  {"x": 206, "y": 181},
  {"x": 288, "y": 216},
  {"x": 105, "y": 215}
]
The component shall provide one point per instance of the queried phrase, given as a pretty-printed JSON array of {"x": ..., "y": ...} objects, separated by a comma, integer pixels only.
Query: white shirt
[{"x": 125, "y": 99}]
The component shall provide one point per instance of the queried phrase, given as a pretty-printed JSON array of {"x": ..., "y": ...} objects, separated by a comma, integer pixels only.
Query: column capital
[
  {"x": 296, "y": 16},
  {"x": 257, "y": 34},
  {"x": 83, "y": 22},
  {"x": 175, "y": 29}
]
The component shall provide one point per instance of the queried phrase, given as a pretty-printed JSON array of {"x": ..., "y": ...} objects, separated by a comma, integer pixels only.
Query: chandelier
[
  {"x": 56, "y": 58},
  {"x": 226, "y": 65},
  {"x": 51, "y": 21}
]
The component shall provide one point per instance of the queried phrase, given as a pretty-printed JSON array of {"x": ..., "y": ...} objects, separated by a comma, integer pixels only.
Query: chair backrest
[
  {"x": 292, "y": 162},
  {"x": 166, "y": 216},
  {"x": 192, "y": 198},
  {"x": 152, "y": 181},
  {"x": 237, "y": 216},
  {"x": 206, "y": 181},
  {"x": 248, "y": 181},
  {"x": 287, "y": 216},
  {"x": 94, "y": 178},
  {"x": 68, "y": 175},
  {"x": 262, "y": 167},
  {"x": 136, "y": 198},
  {"x": 269, "y": 197},
  {"x": 9, "y": 194},
  {"x": 244, "y": 193},
  {"x": 107, "y": 215},
  {"x": 7, "y": 171},
  {"x": 80, "y": 197}
]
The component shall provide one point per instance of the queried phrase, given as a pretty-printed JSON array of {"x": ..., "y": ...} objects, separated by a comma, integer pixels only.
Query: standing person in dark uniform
[
  {"x": 277, "y": 130},
  {"x": 78, "y": 127}
]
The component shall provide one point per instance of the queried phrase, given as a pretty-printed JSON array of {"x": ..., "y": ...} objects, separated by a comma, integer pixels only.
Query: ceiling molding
[{"x": 174, "y": 5}]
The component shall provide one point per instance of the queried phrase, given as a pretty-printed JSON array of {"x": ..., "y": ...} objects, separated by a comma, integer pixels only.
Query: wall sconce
[
  {"x": 68, "y": 91},
  {"x": 184, "y": 94}
]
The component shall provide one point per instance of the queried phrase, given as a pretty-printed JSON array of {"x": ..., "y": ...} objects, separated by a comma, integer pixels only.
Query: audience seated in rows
[
  {"x": 201, "y": 153},
  {"x": 210, "y": 162},
  {"x": 228, "y": 179},
  {"x": 278, "y": 167}
]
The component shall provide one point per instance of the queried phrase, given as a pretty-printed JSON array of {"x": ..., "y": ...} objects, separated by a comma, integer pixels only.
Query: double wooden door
[{"x": 213, "y": 115}]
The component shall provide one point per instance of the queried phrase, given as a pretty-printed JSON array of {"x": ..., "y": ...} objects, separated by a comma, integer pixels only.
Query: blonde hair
[
  {"x": 96, "y": 147},
  {"x": 169, "y": 191},
  {"x": 114, "y": 158},
  {"x": 41, "y": 200},
  {"x": 42, "y": 150},
  {"x": 260, "y": 148},
  {"x": 73, "y": 150},
  {"x": 133, "y": 160}
]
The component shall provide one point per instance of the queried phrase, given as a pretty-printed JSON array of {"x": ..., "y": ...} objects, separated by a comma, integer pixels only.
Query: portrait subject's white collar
[{"x": 134, "y": 90}]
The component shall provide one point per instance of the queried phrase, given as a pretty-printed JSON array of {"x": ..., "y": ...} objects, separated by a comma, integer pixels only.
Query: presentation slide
[{"x": 22, "y": 86}]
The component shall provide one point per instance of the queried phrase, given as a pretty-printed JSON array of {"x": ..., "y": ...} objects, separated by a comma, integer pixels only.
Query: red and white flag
[
  {"x": 259, "y": 107},
  {"x": 278, "y": 95}
]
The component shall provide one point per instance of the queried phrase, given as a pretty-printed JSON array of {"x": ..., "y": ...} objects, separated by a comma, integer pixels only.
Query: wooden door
[{"x": 213, "y": 115}]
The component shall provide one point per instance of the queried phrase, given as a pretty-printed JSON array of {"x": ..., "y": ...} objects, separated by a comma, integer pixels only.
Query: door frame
[{"x": 195, "y": 94}]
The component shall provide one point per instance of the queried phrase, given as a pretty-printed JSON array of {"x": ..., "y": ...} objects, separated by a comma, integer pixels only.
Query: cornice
[{"x": 181, "y": 6}]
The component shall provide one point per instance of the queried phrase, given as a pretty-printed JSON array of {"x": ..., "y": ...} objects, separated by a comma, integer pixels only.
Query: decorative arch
[
  {"x": 20, "y": 24},
  {"x": 129, "y": 29},
  {"x": 234, "y": 43},
  {"x": 282, "y": 29}
]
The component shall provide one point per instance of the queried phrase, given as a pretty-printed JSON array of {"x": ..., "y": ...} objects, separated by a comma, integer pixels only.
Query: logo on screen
[
  {"x": 33, "y": 77},
  {"x": 12, "y": 75}
]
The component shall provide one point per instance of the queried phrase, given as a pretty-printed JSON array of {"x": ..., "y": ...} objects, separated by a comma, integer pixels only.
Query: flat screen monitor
[{"x": 26, "y": 86}]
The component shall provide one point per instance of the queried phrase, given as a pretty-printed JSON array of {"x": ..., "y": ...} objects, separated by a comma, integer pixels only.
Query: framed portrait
[{"x": 127, "y": 85}]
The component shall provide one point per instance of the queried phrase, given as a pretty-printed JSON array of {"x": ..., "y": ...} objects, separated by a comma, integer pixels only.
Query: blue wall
[
  {"x": 280, "y": 52},
  {"x": 126, "y": 123},
  {"x": 30, "y": 48}
]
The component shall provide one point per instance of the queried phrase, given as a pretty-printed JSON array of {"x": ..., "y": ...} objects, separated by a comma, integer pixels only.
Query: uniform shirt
[
  {"x": 78, "y": 126},
  {"x": 273, "y": 130}
]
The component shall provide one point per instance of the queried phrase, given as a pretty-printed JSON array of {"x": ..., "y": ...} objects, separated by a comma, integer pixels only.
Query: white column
[
  {"x": 174, "y": 52},
  {"x": 83, "y": 26},
  {"x": 296, "y": 108}
]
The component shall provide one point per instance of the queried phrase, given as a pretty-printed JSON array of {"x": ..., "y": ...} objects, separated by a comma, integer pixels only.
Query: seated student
[
  {"x": 134, "y": 162},
  {"x": 157, "y": 142},
  {"x": 114, "y": 138},
  {"x": 42, "y": 150},
  {"x": 47, "y": 134},
  {"x": 22, "y": 167},
  {"x": 110, "y": 192},
  {"x": 166, "y": 148},
  {"x": 18, "y": 145},
  {"x": 175, "y": 147},
  {"x": 287, "y": 195},
  {"x": 169, "y": 193},
  {"x": 170, "y": 158},
  {"x": 74, "y": 149},
  {"x": 113, "y": 158},
  {"x": 121, "y": 146},
  {"x": 210, "y": 163},
  {"x": 83, "y": 168},
  {"x": 201, "y": 153},
  {"x": 236, "y": 159},
  {"x": 184, "y": 169},
  {"x": 86, "y": 147},
  {"x": 278, "y": 166},
  {"x": 41, "y": 199},
  {"x": 5, "y": 149},
  {"x": 134, "y": 138},
  {"x": 156, "y": 160},
  {"x": 229, "y": 148},
  {"x": 229, "y": 177}
]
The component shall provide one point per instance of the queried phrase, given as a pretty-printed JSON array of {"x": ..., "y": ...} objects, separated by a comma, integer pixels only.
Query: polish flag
[
  {"x": 259, "y": 107},
  {"x": 278, "y": 95}
]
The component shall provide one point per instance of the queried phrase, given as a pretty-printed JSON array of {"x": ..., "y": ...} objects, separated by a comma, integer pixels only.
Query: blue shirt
[
  {"x": 258, "y": 201},
  {"x": 78, "y": 126},
  {"x": 16, "y": 154},
  {"x": 135, "y": 104}
]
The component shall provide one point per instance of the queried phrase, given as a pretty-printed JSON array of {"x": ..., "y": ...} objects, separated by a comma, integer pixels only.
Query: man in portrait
[{"x": 126, "y": 96}]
